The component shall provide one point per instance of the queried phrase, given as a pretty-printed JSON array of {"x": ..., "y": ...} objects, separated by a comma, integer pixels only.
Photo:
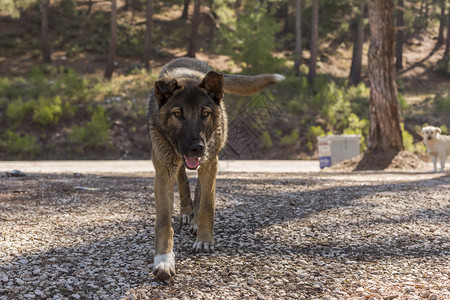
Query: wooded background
[{"x": 75, "y": 74}]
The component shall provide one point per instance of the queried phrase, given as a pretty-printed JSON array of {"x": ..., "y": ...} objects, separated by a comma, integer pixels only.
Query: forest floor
[{"x": 316, "y": 235}]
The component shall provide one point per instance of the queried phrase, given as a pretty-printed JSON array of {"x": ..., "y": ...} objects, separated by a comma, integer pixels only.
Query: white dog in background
[{"x": 438, "y": 145}]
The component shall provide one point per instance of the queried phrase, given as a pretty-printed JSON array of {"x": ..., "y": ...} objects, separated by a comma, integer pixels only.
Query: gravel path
[{"x": 360, "y": 235}]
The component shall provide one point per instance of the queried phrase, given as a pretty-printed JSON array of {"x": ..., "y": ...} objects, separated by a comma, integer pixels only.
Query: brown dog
[{"x": 188, "y": 128}]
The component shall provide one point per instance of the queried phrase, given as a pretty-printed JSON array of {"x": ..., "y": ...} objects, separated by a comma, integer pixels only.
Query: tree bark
[
  {"x": 440, "y": 40},
  {"x": 447, "y": 42},
  {"x": 385, "y": 131},
  {"x": 148, "y": 35},
  {"x": 356, "y": 67},
  {"x": 184, "y": 15},
  {"x": 194, "y": 29},
  {"x": 45, "y": 43},
  {"x": 314, "y": 40},
  {"x": 399, "y": 42},
  {"x": 112, "y": 42},
  {"x": 298, "y": 37}
]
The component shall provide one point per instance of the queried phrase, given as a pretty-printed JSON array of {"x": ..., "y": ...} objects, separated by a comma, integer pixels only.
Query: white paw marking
[{"x": 164, "y": 266}]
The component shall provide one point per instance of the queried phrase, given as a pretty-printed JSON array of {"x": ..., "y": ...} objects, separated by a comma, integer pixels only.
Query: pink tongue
[{"x": 192, "y": 162}]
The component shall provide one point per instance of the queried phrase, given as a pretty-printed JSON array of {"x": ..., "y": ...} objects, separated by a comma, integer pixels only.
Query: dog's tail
[{"x": 247, "y": 85}]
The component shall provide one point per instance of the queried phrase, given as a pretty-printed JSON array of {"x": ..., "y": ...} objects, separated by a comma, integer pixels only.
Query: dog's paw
[
  {"x": 186, "y": 219},
  {"x": 164, "y": 266},
  {"x": 193, "y": 229},
  {"x": 203, "y": 247}
]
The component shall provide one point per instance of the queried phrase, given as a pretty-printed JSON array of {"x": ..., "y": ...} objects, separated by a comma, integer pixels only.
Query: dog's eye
[
  {"x": 205, "y": 114},
  {"x": 177, "y": 114}
]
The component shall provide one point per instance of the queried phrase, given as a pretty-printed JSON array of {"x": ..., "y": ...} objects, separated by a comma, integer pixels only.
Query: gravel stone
[{"x": 327, "y": 235}]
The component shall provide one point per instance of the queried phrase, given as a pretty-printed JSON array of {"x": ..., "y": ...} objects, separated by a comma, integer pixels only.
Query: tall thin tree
[
  {"x": 399, "y": 40},
  {"x": 194, "y": 29},
  {"x": 184, "y": 15},
  {"x": 356, "y": 67},
  {"x": 385, "y": 137},
  {"x": 440, "y": 40},
  {"x": 45, "y": 6},
  {"x": 112, "y": 42},
  {"x": 314, "y": 40},
  {"x": 298, "y": 37},
  {"x": 447, "y": 42},
  {"x": 148, "y": 35}
]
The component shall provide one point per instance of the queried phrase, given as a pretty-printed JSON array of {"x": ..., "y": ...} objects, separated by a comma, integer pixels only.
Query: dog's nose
[{"x": 197, "y": 150}]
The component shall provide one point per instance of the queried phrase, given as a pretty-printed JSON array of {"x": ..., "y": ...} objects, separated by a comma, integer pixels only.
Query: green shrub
[
  {"x": 38, "y": 80},
  {"x": 443, "y": 65},
  {"x": 408, "y": 140},
  {"x": 442, "y": 102},
  {"x": 72, "y": 86},
  {"x": 94, "y": 134},
  {"x": 404, "y": 106},
  {"x": 312, "y": 134},
  {"x": 48, "y": 111},
  {"x": 266, "y": 140},
  {"x": 253, "y": 41},
  {"x": 357, "y": 126},
  {"x": 5, "y": 85},
  {"x": 290, "y": 139},
  {"x": 444, "y": 129},
  {"x": 23, "y": 147},
  {"x": 18, "y": 109}
]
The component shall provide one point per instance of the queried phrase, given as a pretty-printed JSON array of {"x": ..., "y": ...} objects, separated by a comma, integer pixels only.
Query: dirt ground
[{"x": 320, "y": 235}]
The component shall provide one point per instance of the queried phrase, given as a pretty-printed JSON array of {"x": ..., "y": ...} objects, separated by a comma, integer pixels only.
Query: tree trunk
[
  {"x": 112, "y": 42},
  {"x": 440, "y": 40},
  {"x": 385, "y": 131},
  {"x": 284, "y": 14},
  {"x": 90, "y": 3},
  {"x": 194, "y": 29},
  {"x": 148, "y": 35},
  {"x": 298, "y": 37},
  {"x": 185, "y": 13},
  {"x": 356, "y": 68},
  {"x": 45, "y": 44},
  {"x": 314, "y": 39},
  {"x": 399, "y": 42},
  {"x": 447, "y": 42}
]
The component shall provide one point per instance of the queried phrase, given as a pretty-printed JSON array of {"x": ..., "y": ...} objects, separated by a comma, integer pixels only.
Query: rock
[{"x": 16, "y": 173}]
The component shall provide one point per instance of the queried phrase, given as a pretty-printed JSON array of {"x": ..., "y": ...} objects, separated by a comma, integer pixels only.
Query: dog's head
[
  {"x": 430, "y": 132},
  {"x": 190, "y": 112}
]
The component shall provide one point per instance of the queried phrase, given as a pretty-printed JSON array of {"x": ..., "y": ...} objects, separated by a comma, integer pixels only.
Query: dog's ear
[
  {"x": 213, "y": 84},
  {"x": 437, "y": 129},
  {"x": 164, "y": 89}
]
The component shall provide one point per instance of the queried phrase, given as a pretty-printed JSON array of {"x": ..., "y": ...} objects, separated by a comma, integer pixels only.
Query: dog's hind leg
[
  {"x": 443, "y": 157},
  {"x": 185, "y": 196},
  {"x": 205, "y": 233},
  {"x": 194, "y": 215}
]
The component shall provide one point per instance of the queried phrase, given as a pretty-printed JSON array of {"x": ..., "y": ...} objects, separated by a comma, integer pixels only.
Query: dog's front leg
[
  {"x": 434, "y": 159},
  {"x": 164, "y": 262},
  {"x": 205, "y": 233}
]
